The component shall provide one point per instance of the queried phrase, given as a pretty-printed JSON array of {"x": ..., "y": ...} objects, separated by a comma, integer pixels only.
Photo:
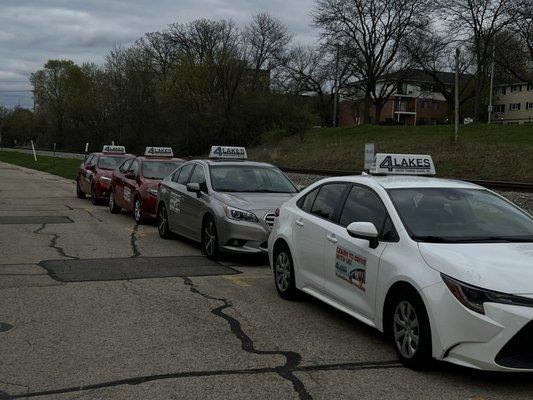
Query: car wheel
[
  {"x": 410, "y": 330},
  {"x": 94, "y": 199},
  {"x": 284, "y": 274},
  {"x": 112, "y": 205},
  {"x": 162, "y": 222},
  {"x": 79, "y": 193},
  {"x": 210, "y": 239},
  {"x": 137, "y": 211}
]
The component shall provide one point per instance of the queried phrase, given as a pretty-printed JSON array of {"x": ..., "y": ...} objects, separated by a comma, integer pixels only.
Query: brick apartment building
[{"x": 416, "y": 101}]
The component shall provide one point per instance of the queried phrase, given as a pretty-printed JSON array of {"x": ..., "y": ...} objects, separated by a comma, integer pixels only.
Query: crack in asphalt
[
  {"x": 194, "y": 374},
  {"x": 133, "y": 241},
  {"x": 53, "y": 242},
  {"x": 293, "y": 359}
]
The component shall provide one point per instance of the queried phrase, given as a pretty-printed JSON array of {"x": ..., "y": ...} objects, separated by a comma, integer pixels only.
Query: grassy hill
[{"x": 492, "y": 152}]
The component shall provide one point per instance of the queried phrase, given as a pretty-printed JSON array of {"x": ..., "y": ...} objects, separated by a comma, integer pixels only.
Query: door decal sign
[
  {"x": 350, "y": 267},
  {"x": 127, "y": 193},
  {"x": 174, "y": 202}
]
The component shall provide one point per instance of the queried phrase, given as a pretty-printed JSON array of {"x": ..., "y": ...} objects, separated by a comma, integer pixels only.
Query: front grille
[
  {"x": 518, "y": 352},
  {"x": 269, "y": 219}
]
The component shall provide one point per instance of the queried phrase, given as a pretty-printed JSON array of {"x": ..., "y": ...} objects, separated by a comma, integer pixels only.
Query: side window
[
  {"x": 175, "y": 175},
  {"x": 184, "y": 174},
  {"x": 135, "y": 167},
  {"x": 307, "y": 201},
  {"x": 327, "y": 200},
  {"x": 126, "y": 165},
  {"x": 89, "y": 160},
  {"x": 363, "y": 205},
  {"x": 198, "y": 176}
]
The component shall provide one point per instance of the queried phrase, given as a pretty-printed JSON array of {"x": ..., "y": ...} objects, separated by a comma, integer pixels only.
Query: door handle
[
  {"x": 299, "y": 222},
  {"x": 331, "y": 238}
]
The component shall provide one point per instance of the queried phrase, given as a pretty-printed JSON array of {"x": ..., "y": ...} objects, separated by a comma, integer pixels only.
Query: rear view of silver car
[{"x": 226, "y": 202}]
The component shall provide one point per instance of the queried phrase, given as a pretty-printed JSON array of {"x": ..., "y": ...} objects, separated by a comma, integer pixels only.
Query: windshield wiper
[{"x": 434, "y": 239}]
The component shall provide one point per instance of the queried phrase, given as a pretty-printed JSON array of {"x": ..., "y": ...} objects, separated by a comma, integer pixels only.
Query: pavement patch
[
  {"x": 112, "y": 269},
  {"x": 34, "y": 219}
]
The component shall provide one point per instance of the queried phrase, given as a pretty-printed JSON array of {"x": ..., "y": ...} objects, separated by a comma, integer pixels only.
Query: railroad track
[{"x": 499, "y": 185}]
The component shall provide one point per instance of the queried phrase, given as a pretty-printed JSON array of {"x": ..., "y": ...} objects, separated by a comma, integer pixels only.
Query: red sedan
[
  {"x": 94, "y": 174},
  {"x": 135, "y": 182}
]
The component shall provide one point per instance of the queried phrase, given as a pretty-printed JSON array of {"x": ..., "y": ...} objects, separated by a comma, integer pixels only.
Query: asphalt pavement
[{"x": 93, "y": 306}]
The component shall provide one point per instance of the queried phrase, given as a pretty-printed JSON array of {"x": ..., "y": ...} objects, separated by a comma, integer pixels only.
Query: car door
[
  {"x": 351, "y": 265},
  {"x": 118, "y": 182},
  {"x": 178, "y": 190},
  {"x": 194, "y": 204},
  {"x": 130, "y": 185},
  {"x": 312, "y": 224},
  {"x": 87, "y": 173}
]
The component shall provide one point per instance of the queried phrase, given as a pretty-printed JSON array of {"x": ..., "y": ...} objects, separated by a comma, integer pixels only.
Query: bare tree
[
  {"x": 161, "y": 51},
  {"x": 371, "y": 32},
  {"x": 266, "y": 40},
  {"x": 477, "y": 23}
]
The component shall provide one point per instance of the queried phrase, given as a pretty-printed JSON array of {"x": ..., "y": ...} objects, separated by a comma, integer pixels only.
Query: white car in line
[{"x": 443, "y": 267}]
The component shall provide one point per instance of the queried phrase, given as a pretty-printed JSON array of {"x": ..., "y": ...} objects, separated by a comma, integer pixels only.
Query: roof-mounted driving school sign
[
  {"x": 228, "y": 152},
  {"x": 402, "y": 164},
  {"x": 109, "y": 148},
  {"x": 159, "y": 152}
]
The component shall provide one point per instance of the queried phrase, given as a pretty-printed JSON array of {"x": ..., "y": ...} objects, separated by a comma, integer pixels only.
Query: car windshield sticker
[
  {"x": 174, "y": 203},
  {"x": 127, "y": 194},
  {"x": 350, "y": 267}
]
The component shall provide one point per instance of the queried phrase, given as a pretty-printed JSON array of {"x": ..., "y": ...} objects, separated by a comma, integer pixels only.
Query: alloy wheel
[
  {"x": 283, "y": 271},
  {"x": 137, "y": 210},
  {"x": 162, "y": 221},
  {"x": 406, "y": 329},
  {"x": 209, "y": 238}
]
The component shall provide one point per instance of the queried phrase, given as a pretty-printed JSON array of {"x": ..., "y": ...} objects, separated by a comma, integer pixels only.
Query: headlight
[
  {"x": 239, "y": 215},
  {"x": 105, "y": 179},
  {"x": 473, "y": 297},
  {"x": 152, "y": 191}
]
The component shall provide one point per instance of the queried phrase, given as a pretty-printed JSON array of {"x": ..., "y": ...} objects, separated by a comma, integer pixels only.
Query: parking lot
[{"x": 93, "y": 306}]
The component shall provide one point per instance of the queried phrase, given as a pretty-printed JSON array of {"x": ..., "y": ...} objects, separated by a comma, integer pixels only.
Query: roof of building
[{"x": 419, "y": 75}]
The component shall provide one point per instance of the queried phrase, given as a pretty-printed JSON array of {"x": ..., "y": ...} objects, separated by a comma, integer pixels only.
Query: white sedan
[{"x": 443, "y": 267}]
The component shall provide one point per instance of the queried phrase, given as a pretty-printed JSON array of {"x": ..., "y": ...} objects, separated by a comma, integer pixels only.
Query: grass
[
  {"x": 65, "y": 167},
  {"x": 491, "y": 152}
]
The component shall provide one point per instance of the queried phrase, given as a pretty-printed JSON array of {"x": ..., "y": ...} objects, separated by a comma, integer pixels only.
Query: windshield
[
  {"x": 159, "y": 169},
  {"x": 110, "y": 162},
  {"x": 460, "y": 215},
  {"x": 249, "y": 178}
]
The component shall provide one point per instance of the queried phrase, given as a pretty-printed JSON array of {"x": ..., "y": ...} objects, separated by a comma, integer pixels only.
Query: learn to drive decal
[
  {"x": 127, "y": 194},
  {"x": 174, "y": 202},
  {"x": 351, "y": 267}
]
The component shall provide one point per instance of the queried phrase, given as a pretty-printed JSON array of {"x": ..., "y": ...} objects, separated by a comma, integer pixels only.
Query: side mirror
[
  {"x": 364, "y": 230},
  {"x": 129, "y": 175},
  {"x": 194, "y": 187}
]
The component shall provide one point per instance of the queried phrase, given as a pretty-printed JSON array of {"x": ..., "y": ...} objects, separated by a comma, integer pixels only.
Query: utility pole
[
  {"x": 456, "y": 135},
  {"x": 336, "y": 86},
  {"x": 491, "y": 81}
]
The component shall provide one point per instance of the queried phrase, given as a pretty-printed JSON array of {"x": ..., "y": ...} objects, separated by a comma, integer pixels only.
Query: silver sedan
[{"x": 226, "y": 205}]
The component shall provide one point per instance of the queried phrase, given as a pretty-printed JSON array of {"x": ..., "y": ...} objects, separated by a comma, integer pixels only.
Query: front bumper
[
  {"x": 103, "y": 189},
  {"x": 250, "y": 237},
  {"x": 488, "y": 341}
]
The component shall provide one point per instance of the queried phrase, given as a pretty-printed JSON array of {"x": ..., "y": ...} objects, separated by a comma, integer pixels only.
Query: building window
[
  {"x": 514, "y": 107},
  {"x": 529, "y": 106},
  {"x": 500, "y": 90},
  {"x": 530, "y": 86},
  {"x": 499, "y": 108},
  {"x": 435, "y": 105},
  {"x": 516, "y": 88},
  {"x": 425, "y": 104}
]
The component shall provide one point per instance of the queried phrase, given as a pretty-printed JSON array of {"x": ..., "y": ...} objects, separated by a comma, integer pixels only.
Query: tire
[
  {"x": 94, "y": 199},
  {"x": 210, "y": 239},
  {"x": 138, "y": 210},
  {"x": 284, "y": 274},
  {"x": 409, "y": 330},
  {"x": 113, "y": 208},
  {"x": 79, "y": 193},
  {"x": 162, "y": 222}
]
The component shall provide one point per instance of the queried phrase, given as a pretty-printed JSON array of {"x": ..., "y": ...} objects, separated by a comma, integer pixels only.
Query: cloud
[{"x": 34, "y": 31}]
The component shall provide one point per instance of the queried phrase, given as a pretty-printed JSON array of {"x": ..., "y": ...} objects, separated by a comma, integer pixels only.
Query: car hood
[
  {"x": 254, "y": 201},
  {"x": 105, "y": 172},
  {"x": 503, "y": 267}
]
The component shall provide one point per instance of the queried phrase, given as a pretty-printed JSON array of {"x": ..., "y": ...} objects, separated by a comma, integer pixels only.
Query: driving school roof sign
[
  {"x": 228, "y": 152},
  {"x": 108, "y": 148},
  {"x": 159, "y": 152},
  {"x": 402, "y": 164}
]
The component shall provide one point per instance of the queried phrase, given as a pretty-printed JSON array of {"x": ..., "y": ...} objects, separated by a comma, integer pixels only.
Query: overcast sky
[{"x": 34, "y": 31}]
